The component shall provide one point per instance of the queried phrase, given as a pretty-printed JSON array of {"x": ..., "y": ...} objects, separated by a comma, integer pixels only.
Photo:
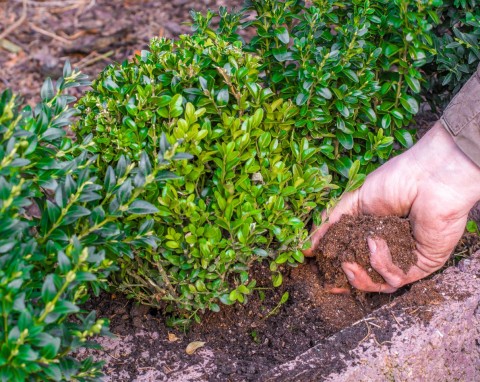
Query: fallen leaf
[
  {"x": 10, "y": 46},
  {"x": 172, "y": 337},
  {"x": 193, "y": 346}
]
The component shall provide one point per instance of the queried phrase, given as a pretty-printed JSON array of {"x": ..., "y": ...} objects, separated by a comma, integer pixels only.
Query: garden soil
[
  {"x": 245, "y": 340},
  {"x": 89, "y": 33},
  {"x": 346, "y": 241}
]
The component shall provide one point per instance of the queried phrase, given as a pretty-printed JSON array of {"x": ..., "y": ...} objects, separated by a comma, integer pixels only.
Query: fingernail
[
  {"x": 350, "y": 274},
  {"x": 372, "y": 245}
]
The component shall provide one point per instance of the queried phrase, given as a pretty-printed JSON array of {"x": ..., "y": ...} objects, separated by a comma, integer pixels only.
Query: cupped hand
[{"x": 435, "y": 185}]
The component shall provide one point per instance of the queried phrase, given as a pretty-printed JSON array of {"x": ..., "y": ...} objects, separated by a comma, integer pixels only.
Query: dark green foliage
[
  {"x": 350, "y": 66},
  {"x": 58, "y": 223},
  {"x": 456, "y": 41},
  {"x": 245, "y": 193}
]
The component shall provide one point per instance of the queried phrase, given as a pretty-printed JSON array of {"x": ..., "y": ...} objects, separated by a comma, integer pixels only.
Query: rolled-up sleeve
[{"x": 461, "y": 118}]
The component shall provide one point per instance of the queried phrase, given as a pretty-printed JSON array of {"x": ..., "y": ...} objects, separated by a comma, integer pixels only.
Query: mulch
[{"x": 37, "y": 37}]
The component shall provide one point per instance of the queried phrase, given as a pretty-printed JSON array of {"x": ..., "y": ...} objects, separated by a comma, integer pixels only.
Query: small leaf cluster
[
  {"x": 59, "y": 224},
  {"x": 245, "y": 191},
  {"x": 457, "y": 44}
]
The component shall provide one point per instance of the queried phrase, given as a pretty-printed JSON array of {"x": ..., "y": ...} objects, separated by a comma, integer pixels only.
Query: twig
[
  {"x": 73, "y": 36},
  {"x": 110, "y": 355},
  {"x": 98, "y": 57},
  {"x": 58, "y": 4},
  {"x": 395, "y": 318},
  {"x": 17, "y": 23},
  {"x": 369, "y": 331},
  {"x": 49, "y": 34}
]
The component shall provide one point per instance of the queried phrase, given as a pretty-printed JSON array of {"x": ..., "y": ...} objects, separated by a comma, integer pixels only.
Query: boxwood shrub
[
  {"x": 352, "y": 68},
  {"x": 248, "y": 190},
  {"x": 58, "y": 224},
  {"x": 456, "y": 42}
]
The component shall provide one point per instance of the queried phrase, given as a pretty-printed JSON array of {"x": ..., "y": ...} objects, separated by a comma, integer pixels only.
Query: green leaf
[
  {"x": 53, "y": 371},
  {"x": 110, "y": 85},
  {"x": 67, "y": 69},
  {"x": 283, "y": 257},
  {"x": 413, "y": 83},
  {"x": 410, "y": 104},
  {"x": 404, "y": 137},
  {"x": 298, "y": 256},
  {"x": 110, "y": 180},
  {"x": 48, "y": 289},
  {"x": 390, "y": 49},
  {"x": 47, "y": 92},
  {"x": 222, "y": 97},
  {"x": 141, "y": 207},
  {"x": 343, "y": 165},
  {"x": 49, "y": 345},
  {"x": 342, "y": 108},
  {"x": 351, "y": 75},
  {"x": 301, "y": 99},
  {"x": 73, "y": 214},
  {"x": 53, "y": 211},
  {"x": 163, "y": 101},
  {"x": 51, "y": 134},
  {"x": 257, "y": 118},
  {"x": 64, "y": 263},
  {"x": 346, "y": 140},
  {"x": 472, "y": 226},
  {"x": 283, "y": 35},
  {"x": 277, "y": 279},
  {"x": 281, "y": 54},
  {"x": 65, "y": 307},
  {"x": 353, "y": 171},
  {"x": 386, "y": 121},
  {"x": 355, "y": 182},
  {"x": 325, "y": 93}
]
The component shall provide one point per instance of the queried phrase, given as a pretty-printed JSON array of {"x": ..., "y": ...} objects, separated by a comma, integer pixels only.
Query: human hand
[{"x": 435, "y": 185}]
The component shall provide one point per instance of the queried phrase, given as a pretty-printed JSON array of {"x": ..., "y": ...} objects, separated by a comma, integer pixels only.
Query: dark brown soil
[
  {"x": 346, "y": 241},
  {"x": 247, "y": 340},
  {"x": 89, "y": 33}
]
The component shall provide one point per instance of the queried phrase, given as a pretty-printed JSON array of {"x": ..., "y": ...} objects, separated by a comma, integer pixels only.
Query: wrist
[{"x": 441, "y": 161}]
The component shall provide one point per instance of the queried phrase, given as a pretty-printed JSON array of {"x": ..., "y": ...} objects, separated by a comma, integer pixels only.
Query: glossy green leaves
[
  {"x": 59, "y": 223},
  {"x": 245, "y": 191}
]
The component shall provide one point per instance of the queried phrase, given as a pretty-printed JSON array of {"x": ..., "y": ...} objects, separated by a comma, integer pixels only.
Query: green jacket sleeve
[{"x": 462, "y": 118}]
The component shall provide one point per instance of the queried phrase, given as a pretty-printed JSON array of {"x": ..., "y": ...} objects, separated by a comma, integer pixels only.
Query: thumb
[{"x": 348, "y": 205}]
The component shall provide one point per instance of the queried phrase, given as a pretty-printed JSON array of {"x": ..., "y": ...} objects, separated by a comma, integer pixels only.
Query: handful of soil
[{"x": 346, "y": 241}]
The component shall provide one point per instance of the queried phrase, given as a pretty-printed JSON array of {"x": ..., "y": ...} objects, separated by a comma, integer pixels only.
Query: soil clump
[{"x": 346, "y": 241}]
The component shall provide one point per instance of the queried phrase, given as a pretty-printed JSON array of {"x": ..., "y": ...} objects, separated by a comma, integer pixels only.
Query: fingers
[
  {"x": 337, "y": 290},
  {"x": 381, "y": 261},
  {"x": 348, "y": 205},
  {"x": 359, "y": 279}
]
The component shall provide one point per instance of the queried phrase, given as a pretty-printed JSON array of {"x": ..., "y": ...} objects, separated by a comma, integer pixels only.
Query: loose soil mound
[
  {"x": 246, "y": 340},
  {"x": 346, "y": 241}
]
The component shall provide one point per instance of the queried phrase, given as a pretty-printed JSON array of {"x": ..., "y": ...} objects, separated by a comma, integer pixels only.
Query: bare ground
[{"x": 37, "y": 37}]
